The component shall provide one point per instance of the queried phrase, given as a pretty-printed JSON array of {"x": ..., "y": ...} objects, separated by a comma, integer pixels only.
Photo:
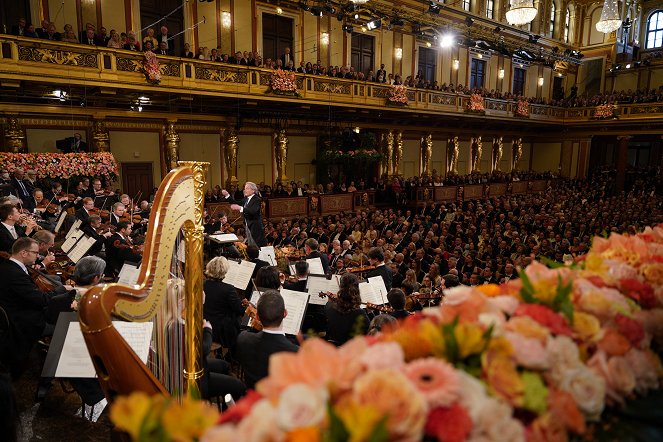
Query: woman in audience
[{"x": 114, "y": 41}]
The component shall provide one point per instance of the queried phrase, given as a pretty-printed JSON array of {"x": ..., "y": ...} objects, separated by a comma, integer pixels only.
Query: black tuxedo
[
  {"x": 223, "y": 309},
  {"x": 285, "y": 62},
  {"x": 6, "y": 238},
  {"x": 168, "y": 38},
  {"x": 82, "y": 215},
  {"x": 254, "y": 351},
  {"x": 252, "y": 218},
  {"x": 323, "y": 259},
  {"x": 100, "y": 240},
  {"x": 187, "y": 54},
  {"x": 385, "y": 272},
  {"x": 299, "y": 286},
  {"x": 20, "y": 189},
  {"x": 381, "y": 76},
  {"x": 118, "y": 251}
]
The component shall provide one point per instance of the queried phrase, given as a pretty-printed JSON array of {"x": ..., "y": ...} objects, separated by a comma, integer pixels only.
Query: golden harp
[{"x": 178, "y": 206}]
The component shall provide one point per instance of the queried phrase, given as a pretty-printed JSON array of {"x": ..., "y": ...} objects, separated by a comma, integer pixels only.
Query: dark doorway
[
  {"x": 362, "y": 52},
  {"x": 152, "y": 11},
  {"x": 518, "y": 81},
  {"x": 277, "y": 32},
  {"x": 558, "y": 88},
  {"x": 477, "y": 73},
  {"x": 10, "y": 12},
  {"x": 428, "y": 63},
  {"x": 137, "y": 177}
]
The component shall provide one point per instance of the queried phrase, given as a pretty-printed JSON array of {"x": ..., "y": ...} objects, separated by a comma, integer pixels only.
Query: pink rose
[
  {"x": 528, "y": 352},
  {"x": 436, "y": 379},
  {"x": 620, "y": 380}
]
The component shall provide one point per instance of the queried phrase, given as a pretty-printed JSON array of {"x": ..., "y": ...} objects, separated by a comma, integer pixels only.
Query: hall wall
[
  {"x": 203, "y": 147},
  {"x": 137, "y": 147}
]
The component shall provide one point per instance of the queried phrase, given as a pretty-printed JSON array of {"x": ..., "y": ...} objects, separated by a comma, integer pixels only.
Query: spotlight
[
  {"x": 628, "y": 66},
  {"x": 434, "y": 7},
  {"x": 347, "y": 28},
  {"x": 446, "y": 41},
  {"x": 469, "y": 21},
  {"x": 304, "y": 6},
  {"x": 636, "y": 64},
  {"x": 617, "y": 67},
  {"x": 316, "y": 12},
  {"x": 534, "y": 38},
  {"x": 497, "y": 30},
  {"x": 356, "y": 16},
  {"x": 374, "y": 24},
  {"x": 330, "y": 8},
  {"x": 279, "y": 10}
]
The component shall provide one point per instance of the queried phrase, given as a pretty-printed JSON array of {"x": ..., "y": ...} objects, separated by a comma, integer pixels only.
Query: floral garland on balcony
[
  {"x": 151, "y": 68},
  {"x": 283, "y": 83},
  {"x": 605, "y": 111},
  {"x": 522, "y": 109},
  {"x": 398, "y": 95},
  {"x": 63, "y": 165},
  {"x": 359, "y": 154},
  {"x": 553, "y": 355},
  {"x": 476, "y": 105}
]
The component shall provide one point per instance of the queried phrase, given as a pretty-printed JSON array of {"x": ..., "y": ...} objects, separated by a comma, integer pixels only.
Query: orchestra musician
[
  {"x": 223, "y": 307},
  {"x": 249, "y": 207},
  {"x": 94, "y": 229},
  {"x": 344, "y": 315},
  {"x": 117, "y": 213},
  {"x": 45, "y": 240},
  {"x": 119, "y": 248},
  {"x": 376, "y": 258},
  {"x": 84, "y": 212},
  {"x": 10, "y": 230},
  {"x": 301, "y": 270},
  {"x": 28, "y": 308},
  {"x": 253, "y": 253},
  {"x": 311, "y": 249},
  {"x": 396, "y": 298}
]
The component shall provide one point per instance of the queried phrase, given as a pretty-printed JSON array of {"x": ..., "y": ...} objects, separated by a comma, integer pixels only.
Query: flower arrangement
[
  {"x": 63, "y": 165},
  {"x": 543, "y": 357},
  {"x": 398, "y": 95},
  {"x": 284, "y": 82},
  {"x": 604, "y": 111},
  {"x": 151, "y": 68},
  {"x": 522, "y": 109},
  {"x": 366, "y": 154},
  {"x": 476, "y": 104}
]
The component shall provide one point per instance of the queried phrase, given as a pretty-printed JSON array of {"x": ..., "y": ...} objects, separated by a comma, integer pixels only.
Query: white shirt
[
  {"x": 273, "y": 332},
  {"x": 248, "y": 200},
  {"x": 11, "y": 229},
  {"x": 20, "y": 264}
]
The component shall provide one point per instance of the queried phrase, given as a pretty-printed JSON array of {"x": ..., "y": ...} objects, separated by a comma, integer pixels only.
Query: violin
[
  {"x": 134, "y": 248},
  {"x": 380, "y": 308},
  {"x": 290, "y": 278},
  {"x": 360, "y": 269},
  {"x": 329, "y": 295},
  {"x": 252, "y": 312}
]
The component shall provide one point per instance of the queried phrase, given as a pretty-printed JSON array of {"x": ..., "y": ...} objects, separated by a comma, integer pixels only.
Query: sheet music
[
  {"x": 368, "y": 294},
  {"x": 379, "y": 288},
  {"x": 129, "y": 274},
  {"x": 268, "y": 254},
  {"x": 72, "y": 238},
  {"x": 75, "y": 361},
  {"x": 255, "y": 296},
  {"x": 224, "y": 237},
  {"x": 61, "y": 219},
  {"x": 315, "y": 266},
  {"x": 292, "y": 269},
  {"x": 239, "y": 274},
  {"x": 81, "y": 248},
  {"x": 295, "y": 304},
  {"x": 317, "y": 284},
  {"x": 74, "y": 228}
]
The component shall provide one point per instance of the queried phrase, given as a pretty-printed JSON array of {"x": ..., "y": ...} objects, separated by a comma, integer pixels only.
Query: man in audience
[
  {"x": 165, "y": 37},
  {"x": 287, "y": 57},
  {"x": 21, "y": 28},
  {"x": 255, "y": 349}
]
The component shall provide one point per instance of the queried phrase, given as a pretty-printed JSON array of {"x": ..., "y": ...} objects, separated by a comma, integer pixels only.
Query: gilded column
[
  {"x": 516, "y": 152},
  {"x": 281, "y": 155},
  {"x": 389, "y": 153},
  {"x": 452, "y": 155},
  {"x": 498, "y": 151},
  {"x": 426, "y": 154},
  {"x": 14, "y": 136},
  {"x": 100, "y": 138},
  {"x": 172, "y": 145},
  {"x": 398, "y": 153},
  {"x": 231, "y": 147},
  {"x": 476, "y": 149}
]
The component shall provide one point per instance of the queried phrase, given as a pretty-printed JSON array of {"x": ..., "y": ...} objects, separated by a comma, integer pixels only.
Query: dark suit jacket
[
  {"x": 253, "y": 218},
  {"x": 285, "y": 64},
  {"x": 223, "y": 309},
  {"x": 385, "y": 272},
  {"x": 82, "y": 215},
  {"x": 6, "y": 238},
  {"x": 117, "y": 252},
  {"x": 254, "y": 350},
  {"x": 19, "y": 191},
  {"x": 299, "y": 286},
  {"x": 171, "y": 43},
  {"x": 341, "y": 327},
  {"x": 323, "y": 259}
]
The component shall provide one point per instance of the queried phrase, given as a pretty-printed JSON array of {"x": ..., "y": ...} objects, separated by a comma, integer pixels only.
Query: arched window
[
  {"x": 654, "y": 31},
  {"x": 552, "y": 18},
  {"x": 490, "y": 9},
  {"x": 567, "y": 25}
]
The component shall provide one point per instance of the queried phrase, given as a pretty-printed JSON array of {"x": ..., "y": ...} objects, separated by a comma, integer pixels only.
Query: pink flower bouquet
[
  {"x": 476, "y": 104},
  {"x": 151, "y": 68},
  {"x": 284, "y": 82},
  {"x": 522, "y": 109},
  {"x": 604, "y": 111},
  {"x": 398, "y": 95},
  {"x": 63, "y": 165}
]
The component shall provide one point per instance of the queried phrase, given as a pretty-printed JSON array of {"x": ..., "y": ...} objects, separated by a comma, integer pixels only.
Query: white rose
[
  {"x": 383, "y": 355},
  {"x": 301, "y": 406},
  {"x": 260, "y": 424},
  {"x": 587, "y": 389},
  {"x": 563, "y": 355}
]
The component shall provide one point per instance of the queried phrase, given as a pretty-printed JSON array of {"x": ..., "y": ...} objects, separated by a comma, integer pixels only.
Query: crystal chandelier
[
  {"x": 609, "y": 20},
  {"x": 521, "y": 12},
  {"x": 359, "y": 2}
]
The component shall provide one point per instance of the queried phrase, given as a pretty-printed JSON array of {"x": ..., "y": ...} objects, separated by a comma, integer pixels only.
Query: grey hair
[
  {"x": 252, "y": 185},
  {"x": 87, "y": 269}
]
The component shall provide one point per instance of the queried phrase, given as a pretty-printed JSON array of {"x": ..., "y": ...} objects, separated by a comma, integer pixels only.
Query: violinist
[
  {"x": 117, "y": 214},
  {"x": 344, "y": 315},
  {"x": 94, "y": 229},
  {"x": 10, "y": 230},
  {"x": 83, "y": 188},
  {"x": 376, "y": 258},
  {"x": 27, "y": 307},
  {"x": 311, "y": 249},
  {"x": 396, "y": 298},
  {"x": 46, "y": 240},
  {"x": 301, "y": 277},
  {"x": 119, "y": 247},
  {"x": 84, "y": 212}
]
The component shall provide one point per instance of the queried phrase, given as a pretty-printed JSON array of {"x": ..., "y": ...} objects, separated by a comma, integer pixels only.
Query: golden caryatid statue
[
  {"x": 231, "y": 145},
  {"x": 516, "y": 152},
  {"x": 281, "y": 154},
  {"x": 100, "y": 138},
  {"x": 452, "y": 155},
  {"x": 172, "y": 145},
  {"x": 14, "y": 136},
  {"x": 398, "y": 153},
  {"x": 498, "y": 151},
  {"x": 389, "y": 153},
  {"x": 426, "y": 154},
  {"x": 476, "y": 149}
]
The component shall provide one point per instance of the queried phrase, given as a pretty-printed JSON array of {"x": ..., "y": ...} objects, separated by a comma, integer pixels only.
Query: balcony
[{"x": 52, "y": 63}]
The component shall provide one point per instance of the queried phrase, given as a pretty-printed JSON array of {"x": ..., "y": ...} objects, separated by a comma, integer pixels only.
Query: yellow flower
[
  {"x": 188, "y": 420},
  {"x": 130, "y": 412},
  {"x": 359, "y": 419},
  {"x": 432, "y": 333},
  {"x": 415, "y": 343},
  {"x": 469, "y": 338},
  {"x": 545, "y": 291},
  {"x": 585, "y": 325},
  {"x": 594, "y": 263},
  {"x": 489, "y": 290},
  {"x": 503, "y": 379},
  {"x": 528, "y": 327},
  {"x": 500, "y": 346},
  {"x": 653, "y": 273},
  {"x": 305, "y": 434}
]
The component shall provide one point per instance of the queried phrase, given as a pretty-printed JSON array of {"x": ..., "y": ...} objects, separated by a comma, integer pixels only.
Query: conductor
[{"x": 249, "y": 207}]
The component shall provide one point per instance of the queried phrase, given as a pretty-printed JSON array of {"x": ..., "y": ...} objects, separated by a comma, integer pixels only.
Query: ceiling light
[
  {"x": 628, "y": 66},
  {"x": 521, "y": 12},
  {"x": 500, "y": 73},
  {"x": 279, "y": 10},
  {"x": 456, "y": 64},
  {"x": 428, "y": 45},
  {"x": 446, "y": 41},
  {"x": 374, "y": 24},
  {"x": 316, "y": 12},
  {"x": 347, "y": 28},
  {"x": 609, "y": 20}
]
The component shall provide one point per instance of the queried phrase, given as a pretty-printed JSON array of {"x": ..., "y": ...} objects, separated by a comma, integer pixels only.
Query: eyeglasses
[{"x": 36, "y": 252}]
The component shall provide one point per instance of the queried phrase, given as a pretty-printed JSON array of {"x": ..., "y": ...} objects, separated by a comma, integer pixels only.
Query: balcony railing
[{"x": 29, "y": 59}]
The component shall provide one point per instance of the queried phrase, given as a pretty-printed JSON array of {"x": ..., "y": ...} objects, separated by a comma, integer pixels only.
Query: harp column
[
  {"x": 14, "y": 136},
  {"x": 193, "y": 280},
  {"x": 100, "y": 138}
]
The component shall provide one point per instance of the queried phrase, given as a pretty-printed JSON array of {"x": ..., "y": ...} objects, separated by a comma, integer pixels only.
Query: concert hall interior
[{"x": 468, "y": 191}]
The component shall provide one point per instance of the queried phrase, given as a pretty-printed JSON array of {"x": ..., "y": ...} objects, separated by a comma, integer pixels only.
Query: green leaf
[
  {"x": 527, "y": 292},
  {"x": 450, "y": 342},
  {"x": 337, "y": 431},
  {"x": 551, "y": 263},
  {"x": 562, "y": 302},
  {"x": 380, "y": 432}
]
